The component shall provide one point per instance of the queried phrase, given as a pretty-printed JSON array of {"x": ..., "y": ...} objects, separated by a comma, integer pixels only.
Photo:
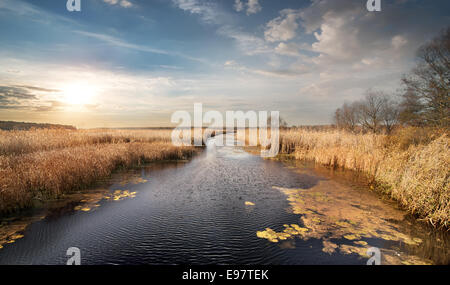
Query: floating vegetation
[
  {"x": 288, "y": 232},
  {"x": 247, "y": 203},
  {"x": 12, "y": 229},
  {"x": 352, "y": 237},
  {"x": 120, "y": 195},
  {"x": 329, "y": 247},
  {"x": 91, "y": 201},
  {"x": 133, "y": 180},
  {"x": 349, "y": 249},
  {"x": 360, "y": 242},
  {"x": 330, "y": 211}
]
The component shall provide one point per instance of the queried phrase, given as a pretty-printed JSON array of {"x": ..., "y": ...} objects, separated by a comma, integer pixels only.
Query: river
[{"x": 226, "y": 206}]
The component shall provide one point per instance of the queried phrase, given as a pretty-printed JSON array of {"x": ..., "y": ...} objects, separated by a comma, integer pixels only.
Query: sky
[{"x": 132, "y": 63}]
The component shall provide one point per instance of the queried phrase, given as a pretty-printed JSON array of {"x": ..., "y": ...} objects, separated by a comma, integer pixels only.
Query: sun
[{"x": 78, "y": 94}]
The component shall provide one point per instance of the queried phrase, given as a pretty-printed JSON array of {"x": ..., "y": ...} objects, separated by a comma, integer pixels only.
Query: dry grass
[
  {"x": 43, "y": 164},
  {"x": 412, "y": 166},
  {"x": 21, "y": 142}
]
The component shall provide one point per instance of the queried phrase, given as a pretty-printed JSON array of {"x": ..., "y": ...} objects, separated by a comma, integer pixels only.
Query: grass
[
  {"x": 411, "y": 165},
  {"x": 44, "y": 164}
]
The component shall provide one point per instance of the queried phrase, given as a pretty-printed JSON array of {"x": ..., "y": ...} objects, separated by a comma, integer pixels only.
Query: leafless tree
[
  {"x": 430, "y": 80},
  {"x": 283, "y": 124},
  {"x": 389, "y": 113},
  {"x": 346, "y": 117},
  {"x": 376, "y": 111},
  {"x": 370, "y": 110},
  {"x": 411, "y": 109}
]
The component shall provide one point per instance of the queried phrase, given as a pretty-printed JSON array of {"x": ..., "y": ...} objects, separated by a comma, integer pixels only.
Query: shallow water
[{"x": 226, "y": 206}]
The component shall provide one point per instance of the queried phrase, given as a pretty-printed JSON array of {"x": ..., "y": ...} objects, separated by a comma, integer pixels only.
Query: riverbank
[
  {"x": 411, "y": 166},
  {"x": 39, "y": 165}
]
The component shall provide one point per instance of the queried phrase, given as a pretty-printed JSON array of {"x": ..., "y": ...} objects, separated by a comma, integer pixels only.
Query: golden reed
[
  {"x": 412, "y": 165},
  {"x": 43, "y": 164}
]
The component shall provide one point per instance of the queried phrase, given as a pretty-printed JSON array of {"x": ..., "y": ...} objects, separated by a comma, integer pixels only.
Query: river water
[{"x": 225, "y": 206}]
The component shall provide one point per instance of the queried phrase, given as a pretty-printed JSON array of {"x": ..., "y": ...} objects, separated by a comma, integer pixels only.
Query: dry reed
[
  {"x": 412, "y": 169},
  {"x": 43, "y": 164}
]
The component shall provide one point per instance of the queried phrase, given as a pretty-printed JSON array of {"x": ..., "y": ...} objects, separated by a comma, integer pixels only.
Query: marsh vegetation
[{"x": 37, "y": 165}]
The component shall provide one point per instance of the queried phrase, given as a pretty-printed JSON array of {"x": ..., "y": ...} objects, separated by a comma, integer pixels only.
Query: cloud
[
  {"x": 399, "y": 41},
  {"x": 15, "y": 92},
  {"x": 352, "y": 49},
  {"x": 21, "y": 96},
  {"x": 282, "y": 28},
  {"x": 252, "y": 6},
  {"x": 121, "y": 43},
  {"x": 289, "y": 49},
  {"x": 346, "y": 32},
  {"x": 211, "y": 13},
  {"x": 238, "y": 5},
  {"x": 126, "y": 4},
  {"x": 122, "y": 3},
  {"x": 248, "y": 43},
  {"x": 40, "y": 89},
  {"x": 50, "y": 106},
  {"x": 279, "y": 73},
  {"x": 34, "y": 13},
  {"x": 208, "y": 11},
  {"x": 127, "y": 97}
]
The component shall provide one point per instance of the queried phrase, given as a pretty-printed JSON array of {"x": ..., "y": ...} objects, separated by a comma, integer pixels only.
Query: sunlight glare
[{"x": 79, "y": 94}]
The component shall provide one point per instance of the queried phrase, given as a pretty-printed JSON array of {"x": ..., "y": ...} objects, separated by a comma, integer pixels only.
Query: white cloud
[
  {"x": 337, "y": 40},
  {"x": 211, "y": 13},
  {"x": 123, "y": 3},
  {"x": 346, "y": 33},
  {"x": 124, "y": 44},
  {"x": 253, "y": 6},
  {"x": 282, "y": 28},
  {"x": 248, "y": 43},
  {"x": 238, "y": 5},
  {"x": 206, "y": 10},
  {"x": 286, "y": 73},
  {"x": 289, "y": 49},
  {"x": 126, "y": 3}
]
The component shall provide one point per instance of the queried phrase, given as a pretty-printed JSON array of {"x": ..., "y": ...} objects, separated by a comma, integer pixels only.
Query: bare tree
[
  {"x": 430, "y": 80},
  {"x": 389, "y": 113},
  {"x": 370, "y": 110},
  {"x": 346, "y": 117},
  {"x": 375, "y": 111},
  {"x": 283, "y": 124},
  {"x": 411, "y": 109}
]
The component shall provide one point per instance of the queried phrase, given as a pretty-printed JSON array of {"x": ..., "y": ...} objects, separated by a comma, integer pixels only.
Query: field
[
  {"x": 42, "y": 164},
  {"x": 411, "y": 165}
]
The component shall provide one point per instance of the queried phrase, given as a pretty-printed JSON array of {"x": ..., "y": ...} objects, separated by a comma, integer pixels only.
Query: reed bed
[
  {"x": 411, "y": 166},
  {"x": 22, "y": 141},
  {"x": 43, "y": 164}
]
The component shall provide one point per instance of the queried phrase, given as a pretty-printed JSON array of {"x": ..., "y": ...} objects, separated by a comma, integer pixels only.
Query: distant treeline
[{"x": 9, "y": 125}]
